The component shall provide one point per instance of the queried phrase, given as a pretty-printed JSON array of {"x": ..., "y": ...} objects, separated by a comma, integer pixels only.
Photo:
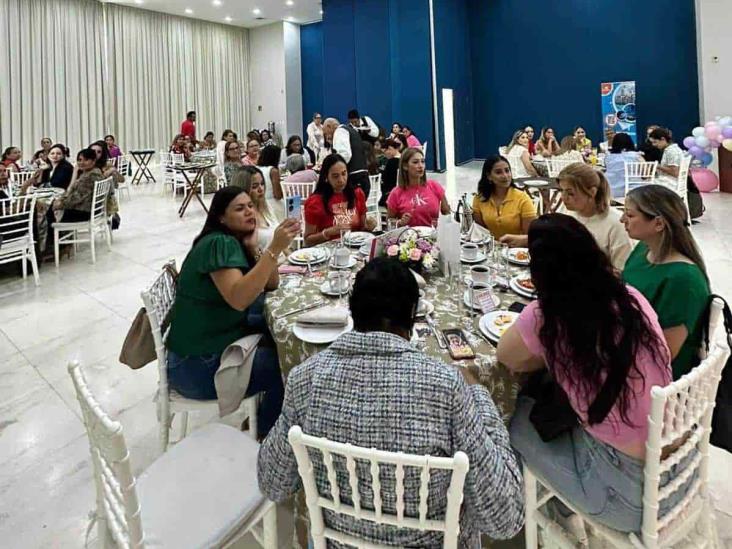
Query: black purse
[
  {"x": 722, "y": 416},
  {"x": 551, "y": 415}
]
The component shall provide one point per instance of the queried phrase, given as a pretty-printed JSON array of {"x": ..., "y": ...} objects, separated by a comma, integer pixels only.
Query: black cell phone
[
  {"x": 457, "y": 344},
  {"x": 516, "y": 307}
]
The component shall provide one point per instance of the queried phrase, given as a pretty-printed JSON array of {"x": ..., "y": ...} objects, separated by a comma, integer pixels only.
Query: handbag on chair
[
  {"x": 722, "y": 417},
  {"x": 138, "y": 348}
]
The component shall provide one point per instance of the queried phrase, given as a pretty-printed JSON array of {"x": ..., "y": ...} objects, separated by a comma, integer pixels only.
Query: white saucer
[
  {"x": 480, "y": 258},
  {"x": 325, "y": 289},
  {"x": 356, "y": 239},
  {"x": 424, "y": 231},
  {"x": 351, "y": 263},
  {"x": 535, "y": 183},
  {"x": 427, "y": 308},
  {"x": 520, "y": 290},
  {"x": 320, "y": 336},
  {"x": 510, "y": 255},
  {"x": 319, "y": 255},
  {"x": 466, "y": 300}
]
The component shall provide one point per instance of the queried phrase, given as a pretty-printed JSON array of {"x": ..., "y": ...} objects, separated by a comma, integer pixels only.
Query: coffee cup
[
  {"x": 478, "y": 287},
  {"x": 339, "y": 281},
  {"x": 480, "y": 274},
  {"x": 470, "y": 251},
  {"x": 341, "y": 257}
]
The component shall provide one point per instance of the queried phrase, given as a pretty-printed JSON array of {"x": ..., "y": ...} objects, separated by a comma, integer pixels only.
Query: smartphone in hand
[{"x": 293, "y": 207}]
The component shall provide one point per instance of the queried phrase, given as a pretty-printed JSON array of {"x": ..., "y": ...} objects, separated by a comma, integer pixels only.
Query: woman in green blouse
[
  {"x": 667, "y": 268},
  {"x": 219, "y": 299}
]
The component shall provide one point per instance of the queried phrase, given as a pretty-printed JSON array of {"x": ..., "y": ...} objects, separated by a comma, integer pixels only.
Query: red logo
[{"x": 606, "y": 88}]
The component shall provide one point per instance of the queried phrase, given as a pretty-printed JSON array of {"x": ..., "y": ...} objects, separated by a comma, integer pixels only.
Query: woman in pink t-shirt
[
  {"x": 416, "y": 201},
  {"x": 603, "y": 345},
  {"x": 412, "y": 140}
]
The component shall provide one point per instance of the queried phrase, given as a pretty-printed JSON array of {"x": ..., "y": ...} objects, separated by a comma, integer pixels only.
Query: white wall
[
  {"x": 267, "y": 77},
  {"x": 714, "y": 39},
  {"x": 293, "y": 79}
]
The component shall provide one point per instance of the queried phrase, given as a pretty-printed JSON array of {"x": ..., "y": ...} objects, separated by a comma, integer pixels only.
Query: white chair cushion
[{"x": 201, "y": 490}]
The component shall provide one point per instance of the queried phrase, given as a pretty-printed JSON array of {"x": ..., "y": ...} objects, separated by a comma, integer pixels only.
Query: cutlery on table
[{"x": 302, "y": 309}]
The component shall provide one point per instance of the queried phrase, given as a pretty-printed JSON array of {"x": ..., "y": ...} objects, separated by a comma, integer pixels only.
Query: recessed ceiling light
[
  {"x": 228, "y": 19},
  {"x": 290, "y": 18},
  {"x": 138, "y": 1},
  {"x": 216, "y": 2},
  {"x": 290, "y": 3},
  {"x": 189, "y": 11},
  {"x": 256, "y": 11}
]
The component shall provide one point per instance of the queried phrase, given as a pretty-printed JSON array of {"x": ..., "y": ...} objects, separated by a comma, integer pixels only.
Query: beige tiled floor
[{"x": 83, "y": 311}]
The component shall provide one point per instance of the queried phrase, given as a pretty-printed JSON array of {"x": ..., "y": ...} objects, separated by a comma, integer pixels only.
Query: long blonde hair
[
  {"x": 658, "y": 201},
  {"x": 514, "y": 140},
  {"x": 243, "y": 178},
  {"x": 584, "y": 178},
  {"x": 403, "y": 176}
]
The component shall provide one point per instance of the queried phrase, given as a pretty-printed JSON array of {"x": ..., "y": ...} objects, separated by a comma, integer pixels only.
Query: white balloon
[
  {"x": 702, "y": 142},
  {"x": 698, "y": 131},
  {"x": 725, "y": 121}
]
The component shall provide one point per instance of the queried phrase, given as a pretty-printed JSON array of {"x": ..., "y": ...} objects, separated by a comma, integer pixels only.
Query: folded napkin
[
  {"x": 331, "y": 316},
  {"x": 477, "y": 233},
  {"x": 421, "y": 282},
  {"x": 292, "y": 269}
]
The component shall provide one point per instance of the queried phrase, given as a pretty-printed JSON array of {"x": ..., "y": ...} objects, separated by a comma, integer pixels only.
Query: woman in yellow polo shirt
[{"x": 499, "y": 206}]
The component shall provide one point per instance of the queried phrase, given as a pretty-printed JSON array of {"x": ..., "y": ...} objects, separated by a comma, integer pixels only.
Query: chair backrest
[
  {"x": 298, "y": 189},
  {"x": 371, "y": 465},
  {"x": 372, "y": 202},
  {"x": 16, "y": 222},
  {"x": 158, "y": 300},
  {"x": 99, "y": 200},
  {"x": 424, "y": 150},
  {"x": 165, "y": 159},
  {"x": 555, "y": 165},
  {"x": 118, "y": 506},
  {"x": 177, "y": 158},
  {"x": 503, "y": 150},
  {"x": 716, "y": 307},
  {"x": 122, "y": 164},
  {"x": 678, "y": 431},
  {"x": 17, "y": 179},
  {"x": 681, "y": 188},
  {"x": 640, "y": 172}
]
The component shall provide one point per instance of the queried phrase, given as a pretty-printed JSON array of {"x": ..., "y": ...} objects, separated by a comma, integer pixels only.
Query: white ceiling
[{"x": 241, "y": 11}]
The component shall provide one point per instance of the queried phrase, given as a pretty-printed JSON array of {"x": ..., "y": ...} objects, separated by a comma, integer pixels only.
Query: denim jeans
[
  {"x": 600, "y": 481},
  {"x": 193, "y": 376}
]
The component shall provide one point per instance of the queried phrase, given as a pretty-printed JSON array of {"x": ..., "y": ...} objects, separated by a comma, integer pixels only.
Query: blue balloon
[{"x": 707, "y": 159}]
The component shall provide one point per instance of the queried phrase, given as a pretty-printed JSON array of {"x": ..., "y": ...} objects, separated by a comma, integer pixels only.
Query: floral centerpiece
[{"x": 416, "y": 252}]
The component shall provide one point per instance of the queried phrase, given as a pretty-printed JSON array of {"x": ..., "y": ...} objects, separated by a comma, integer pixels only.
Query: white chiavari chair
[
  {"x": 16, "y": 231},
  {"x": 372, "y": 202},
  {"x": 639, "y": 173}
]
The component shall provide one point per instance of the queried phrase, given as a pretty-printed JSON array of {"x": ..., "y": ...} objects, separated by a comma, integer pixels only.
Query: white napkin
[
  {"x": 326, "y": 317},
  {"x": 421, "y": 282},
  {"x": 478, "y": 233},
  {"x": 448, "y": 240}
]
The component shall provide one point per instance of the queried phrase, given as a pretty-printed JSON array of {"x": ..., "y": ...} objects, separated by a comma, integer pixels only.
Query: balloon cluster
[{"x": 714, "y": 134}]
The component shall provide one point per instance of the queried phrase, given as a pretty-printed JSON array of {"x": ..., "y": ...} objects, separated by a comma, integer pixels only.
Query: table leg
[
  {"x": 138, "y": 172},
  {"x": 197, "y": 185},
  {"x": 189, "y": 195},
  {"x": 145, "y": 170}
]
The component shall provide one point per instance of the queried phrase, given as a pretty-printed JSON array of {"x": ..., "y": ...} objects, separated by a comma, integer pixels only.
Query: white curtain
[
  {"x": 162, "y": 67},
  {"x": 75, "y": 70},
  {"x": 51, "y": 78}
]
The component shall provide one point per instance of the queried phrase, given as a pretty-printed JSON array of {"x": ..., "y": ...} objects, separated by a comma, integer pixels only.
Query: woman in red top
[
  {"x": 335, "y": 205},
  {"x": 10, "y": 159},
  {"x": 179, "y": 147}
]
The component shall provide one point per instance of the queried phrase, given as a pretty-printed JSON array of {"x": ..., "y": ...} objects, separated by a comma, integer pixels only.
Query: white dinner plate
[
  {"x": 315, "y": 255},
  {"x": 319, "y": 335},
  {"x": 464, "y": 239},
  {"x": 325, "y": 289},
  {"x": 351, "y": 263},
  {"x": 424, "y": 231},
  {"x": 466, "y": 299},
  {"x": 520, "y": 290},
  {"x": 494, "y": 324},
  {"x": 355, "y": 239},
  {"x": 535, "y": 183},
  {"x": 480, "y": 258},
  {"x": 512, "y": 255}
]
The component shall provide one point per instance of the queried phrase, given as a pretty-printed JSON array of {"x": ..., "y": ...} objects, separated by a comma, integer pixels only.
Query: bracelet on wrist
[{"x": 270, "y": 253}]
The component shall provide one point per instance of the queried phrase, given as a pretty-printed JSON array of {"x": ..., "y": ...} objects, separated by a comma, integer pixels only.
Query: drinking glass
[{"x": 391, "y": 223}]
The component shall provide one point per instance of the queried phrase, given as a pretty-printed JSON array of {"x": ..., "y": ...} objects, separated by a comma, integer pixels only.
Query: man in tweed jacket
[{"x": 373, "y": 389}]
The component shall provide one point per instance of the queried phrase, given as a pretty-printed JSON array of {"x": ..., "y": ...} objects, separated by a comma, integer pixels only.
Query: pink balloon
[
  {"x": 706, "y": 180},
  {"x": 712, "y": 132},
  {"x": 727, "y": 132},
  {"x": 710, "y": 123}
]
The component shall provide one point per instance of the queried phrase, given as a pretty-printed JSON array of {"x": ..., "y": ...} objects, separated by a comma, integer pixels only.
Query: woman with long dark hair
[
  {"x": 294, "y": 147},
  {"x": 76, "y": 202},
  {"x": 547, "y": 144},
  {"x": 268, "y": 164},
  {"x": 667, "y": 267},
  {"x": 499, "y": 206},
  {"x": 219, "y": 299},
  {"x": 603, "y": 346},
  {"x": 335, "y": 205}
]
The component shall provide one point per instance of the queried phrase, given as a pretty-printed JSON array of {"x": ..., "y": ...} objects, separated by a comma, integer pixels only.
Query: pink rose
[
  {"x": 392, "y": 251},
  {"x": 415, "y": 254}
]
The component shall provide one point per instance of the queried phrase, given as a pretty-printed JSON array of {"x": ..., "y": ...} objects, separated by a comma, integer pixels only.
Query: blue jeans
[
  {"x": 193, "y": 376},
  {"x": 600, "y": 481}
]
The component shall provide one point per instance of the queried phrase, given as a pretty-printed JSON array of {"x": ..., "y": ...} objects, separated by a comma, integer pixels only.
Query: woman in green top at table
[
  {"x": 667, "y": 268},
  {"x": 219, "y": 299}
]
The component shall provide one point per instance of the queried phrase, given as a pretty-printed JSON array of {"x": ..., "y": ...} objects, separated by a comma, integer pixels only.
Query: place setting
[{"x": 471, "y": 253}]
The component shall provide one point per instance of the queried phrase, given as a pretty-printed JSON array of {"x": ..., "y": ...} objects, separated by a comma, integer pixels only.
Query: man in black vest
[{"x": 346, "y": 142}]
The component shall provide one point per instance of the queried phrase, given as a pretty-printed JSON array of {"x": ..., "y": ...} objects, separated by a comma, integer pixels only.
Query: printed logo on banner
[{"x": 618, "y": 108}]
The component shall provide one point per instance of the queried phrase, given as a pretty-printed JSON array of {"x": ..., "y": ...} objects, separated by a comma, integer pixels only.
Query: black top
[
  {"x": 389, "y": 178},
  {"x": 61, "y": 176},
  {"x": 650, "y": 153}
]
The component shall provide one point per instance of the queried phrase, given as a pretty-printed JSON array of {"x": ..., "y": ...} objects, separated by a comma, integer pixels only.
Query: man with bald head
[{"x": 346, "y": 141}]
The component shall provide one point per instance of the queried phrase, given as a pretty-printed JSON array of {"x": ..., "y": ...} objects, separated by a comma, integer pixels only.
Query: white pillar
[{"x": 448, "y": 125}]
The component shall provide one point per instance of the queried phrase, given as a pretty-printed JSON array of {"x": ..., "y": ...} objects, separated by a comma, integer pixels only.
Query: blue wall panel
[
  {"x": 541, "y": 63},
  {"x": 339, "y": 61},
  {"x": 455, "y": 71},
  {"x": 311, "y": 55}
]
